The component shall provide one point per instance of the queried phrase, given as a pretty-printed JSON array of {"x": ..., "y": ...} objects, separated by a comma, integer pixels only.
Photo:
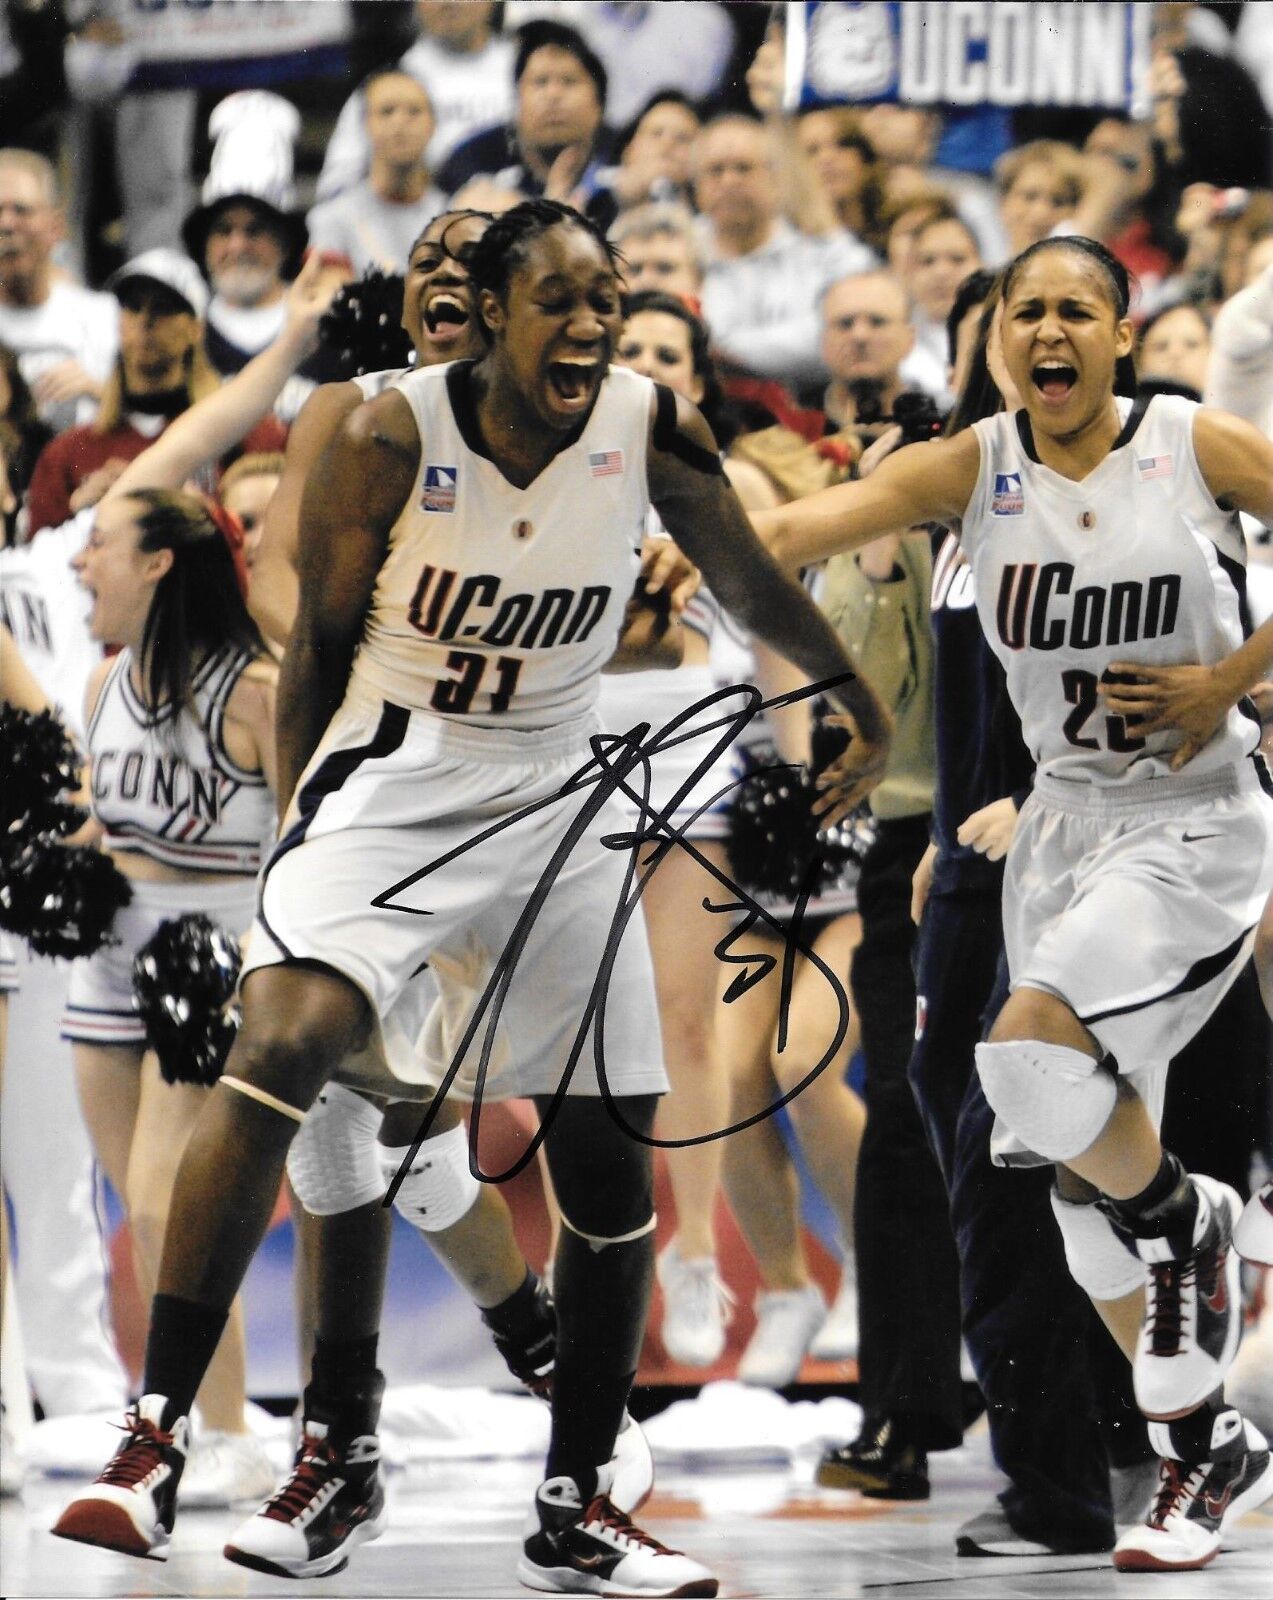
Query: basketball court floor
[{"x": 770, "y": 1534}]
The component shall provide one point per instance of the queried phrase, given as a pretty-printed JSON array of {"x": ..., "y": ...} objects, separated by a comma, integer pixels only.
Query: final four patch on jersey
[
  {"x": 438, "y": 493},
  {"x": 605, "y": 463},
  {"x": 1008, "y": 500}
]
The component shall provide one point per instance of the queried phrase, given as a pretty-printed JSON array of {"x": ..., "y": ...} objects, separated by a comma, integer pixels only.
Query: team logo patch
[
  {"x": 605, "y": 463},
  {"x": 1008, "y": 500},
  {"x": 438, "y": 493},
  {"x": 1155, "y": 467}
]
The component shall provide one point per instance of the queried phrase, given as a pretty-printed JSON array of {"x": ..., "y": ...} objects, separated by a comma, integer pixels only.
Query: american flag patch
[
  {"x": 605, "y": 463},
  {"x": 1155, "y": 467}
]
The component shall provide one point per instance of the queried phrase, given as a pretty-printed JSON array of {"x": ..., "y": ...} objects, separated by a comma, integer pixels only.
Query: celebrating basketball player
[
  {"x": 470, "y": 540},
  {"x": 1102, "y": 532}
]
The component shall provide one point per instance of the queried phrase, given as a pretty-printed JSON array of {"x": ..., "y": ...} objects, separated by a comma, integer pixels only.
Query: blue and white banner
[{"x": 968, "y": 52}]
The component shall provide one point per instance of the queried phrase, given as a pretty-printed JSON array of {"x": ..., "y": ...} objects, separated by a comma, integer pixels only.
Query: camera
[{"x": 918, "y": 416}]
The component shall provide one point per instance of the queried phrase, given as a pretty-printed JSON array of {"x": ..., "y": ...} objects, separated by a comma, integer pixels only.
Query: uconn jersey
[
  {"x": 1134, "y": 563},
  {"x": 498, "y": 606},
  {"x": 166, "y": 786},
  {"x": 46, "y": 608}
]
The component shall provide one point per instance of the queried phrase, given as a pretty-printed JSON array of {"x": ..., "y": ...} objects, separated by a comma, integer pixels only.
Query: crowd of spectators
[{"x": 825, "y": 250}]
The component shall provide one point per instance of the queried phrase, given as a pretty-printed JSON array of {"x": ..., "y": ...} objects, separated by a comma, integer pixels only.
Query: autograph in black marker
[{"x": 613, "y": 760}]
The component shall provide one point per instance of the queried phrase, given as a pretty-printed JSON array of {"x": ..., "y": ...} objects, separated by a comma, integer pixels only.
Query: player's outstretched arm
[
  {"x": 929, "y": 482},
  {"x": 705, "y": 517},
  {"x": 275, "y": 589},
  {"x": 351, "y": 500}
]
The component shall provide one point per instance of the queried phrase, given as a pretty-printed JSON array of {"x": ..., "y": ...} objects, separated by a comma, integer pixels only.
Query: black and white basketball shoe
[
  {"x": 132, "y": 1504},
  {"x": 1198, "y": 1502},
  {"x": 573, "y": 1548},
  {"x": 1193, "y": 1307},
  {"x": 331, "y": 1502}
]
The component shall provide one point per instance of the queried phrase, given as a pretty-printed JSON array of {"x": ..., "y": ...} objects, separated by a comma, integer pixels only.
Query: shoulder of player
[
  {"x": 318, "y": 419},
  {"x": 1231, "y": 453},
  {"x": 382, "y": 430},
  {"x": 678, "y": 428}
]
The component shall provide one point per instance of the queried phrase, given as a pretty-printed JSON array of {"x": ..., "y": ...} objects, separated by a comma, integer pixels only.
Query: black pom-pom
[
  {"x": 38, "y": 763},
  {"x": 774, "y": 836},
  {"x": 61, "y": 899},
  {"x": 184, "y": 978},
  {"x": 362, "y": 325}
]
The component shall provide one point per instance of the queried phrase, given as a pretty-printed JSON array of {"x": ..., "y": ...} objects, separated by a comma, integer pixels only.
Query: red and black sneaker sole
[{"x": 109, "y": 1527}]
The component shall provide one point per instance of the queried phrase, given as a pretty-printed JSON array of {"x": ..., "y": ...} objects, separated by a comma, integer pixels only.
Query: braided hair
[{"x": 505, "y": 245}]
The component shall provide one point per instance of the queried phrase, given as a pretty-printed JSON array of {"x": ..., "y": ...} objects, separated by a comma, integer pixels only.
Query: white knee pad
[
  {"x": 332, "y": 1162},
  {"x": 439, "y": 1189},
  {"x": 1056, "y": 1100},
  {"x": 1099, "y": 1261}
]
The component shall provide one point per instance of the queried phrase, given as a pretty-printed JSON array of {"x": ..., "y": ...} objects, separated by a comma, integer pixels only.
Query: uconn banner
[{"x": 968, "y": 52}]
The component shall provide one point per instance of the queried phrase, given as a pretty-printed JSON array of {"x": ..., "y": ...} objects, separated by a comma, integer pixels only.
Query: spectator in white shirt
[
  {"x": 63, "y": 335},
  {"x": 763, "y": 279},
  {"x": 466, "y": 69},
  {"x": 375, "y": 223}
]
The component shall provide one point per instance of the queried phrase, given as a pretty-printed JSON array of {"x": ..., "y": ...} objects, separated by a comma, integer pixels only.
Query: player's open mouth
[
  {"x": 445, "y": 315},
  {"x": 573, "y": 381},
  {"x": 1054, "y": 379}
]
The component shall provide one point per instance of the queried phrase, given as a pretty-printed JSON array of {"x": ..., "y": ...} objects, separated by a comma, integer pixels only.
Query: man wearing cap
[
  {"x": 63, "y": 335},
  {"x": 159, "y": 372}
]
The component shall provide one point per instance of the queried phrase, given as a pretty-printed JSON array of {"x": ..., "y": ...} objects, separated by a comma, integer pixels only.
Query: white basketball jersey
[
  {"x": 499, "y": 606},
  {"x": 1135, "y": 563},
  {"x": 169, "y": 789},
  {"x": 45, "y": 608},
  {"x": 374, "y": 383}
]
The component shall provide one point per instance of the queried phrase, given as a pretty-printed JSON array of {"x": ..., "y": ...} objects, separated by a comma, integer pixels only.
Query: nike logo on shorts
[{"x": 1193, "y": 838}]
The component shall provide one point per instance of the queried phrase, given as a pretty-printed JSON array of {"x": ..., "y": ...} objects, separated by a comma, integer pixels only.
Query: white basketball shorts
[
  {"x": 421, "y": 852},
  {"x": 1138, "y": 906},
  {"x": 101, "y": 1007}
]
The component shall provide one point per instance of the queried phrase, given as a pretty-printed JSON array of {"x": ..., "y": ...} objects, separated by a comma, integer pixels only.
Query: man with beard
[{"x": 246, "y": 238}]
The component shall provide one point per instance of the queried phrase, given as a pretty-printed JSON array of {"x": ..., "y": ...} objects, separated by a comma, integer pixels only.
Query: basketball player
[
  {"x": 449, "y": 806},
  {"x": 1102, "y": 532},
  {"x": 346, "y": 1152}
]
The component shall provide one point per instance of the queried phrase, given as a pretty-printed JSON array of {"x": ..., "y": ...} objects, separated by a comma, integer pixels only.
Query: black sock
[
  {"x": 520, "y": 1315},
  {"x": 341, "y": 1366},
  {"x": 602, "y": 1297},
  {"x": 1214, "y": 1432},
  {"x": 1167, "y": 1205},
  {"x": 182, "y": 1340}
]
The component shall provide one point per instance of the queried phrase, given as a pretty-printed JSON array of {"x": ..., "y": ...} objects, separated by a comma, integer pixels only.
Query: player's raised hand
[
  {"x": 1192, "y": 700},
  {"x": 850, "y": 778},
  {"x": 666, "y": 570},
  {"x": 309, "y": 295}
]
